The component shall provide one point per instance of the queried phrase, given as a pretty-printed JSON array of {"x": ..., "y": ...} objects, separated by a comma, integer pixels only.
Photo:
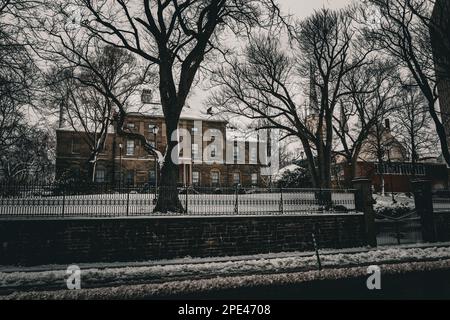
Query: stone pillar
[
  {"x": 423, "y": 200},
  {"x": 364, "y": 203}
]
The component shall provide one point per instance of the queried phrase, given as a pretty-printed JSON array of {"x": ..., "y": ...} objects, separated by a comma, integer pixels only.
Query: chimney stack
[
  {"x": 61, "y": 116},
  {"x": 387, "y": 124}
]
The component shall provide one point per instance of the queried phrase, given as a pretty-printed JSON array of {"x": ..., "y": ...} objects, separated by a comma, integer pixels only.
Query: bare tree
[
  {"x": 402, "y": 32},
  {"x": 79, "y": 90},
  {"x": 439, "y": 25},
  {"x": 23, "y": 147},
  {"x": 289, "y": 152},
  {"x": 265, "y": 87},
  {"x": 414, "y": 124},
  {"x": 18, "y": 73},
  {"x": 373, "y": 90},
  {"x": 175, "y": 37},
  {"x": 29, "y": 158}
]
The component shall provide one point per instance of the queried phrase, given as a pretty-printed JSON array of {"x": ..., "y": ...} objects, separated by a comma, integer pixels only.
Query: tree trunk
[
  {"x": 90, "y": 171},
  {"x": 440, "y": 130},
  {"x": 351, "y": 172},
  {"x": 168, "y": 200},
  {"x": 311, "y": 163}
]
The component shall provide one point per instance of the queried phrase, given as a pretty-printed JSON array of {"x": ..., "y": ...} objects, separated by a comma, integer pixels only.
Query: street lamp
[
  {"x": 120, "y": 170},
  {"x": 155, "y": 129},
  {"x": 390, "y": 166}
]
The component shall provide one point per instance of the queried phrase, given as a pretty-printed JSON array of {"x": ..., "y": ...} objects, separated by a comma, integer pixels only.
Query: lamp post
[
  {"x": 392, "y": 183},
  {"x": 120, "y": 163},
  {"x": 154, "y": 129}
]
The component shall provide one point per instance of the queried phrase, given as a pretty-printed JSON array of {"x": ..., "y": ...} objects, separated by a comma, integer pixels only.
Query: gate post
[
  {"x": 364, "y": 203},
  {"x": 423, "y": 200}
]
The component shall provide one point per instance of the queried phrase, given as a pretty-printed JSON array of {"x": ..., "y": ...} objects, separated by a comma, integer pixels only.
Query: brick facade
[
  {"x": 126, "y": 161},
  {"x": 397, "y": 175},
  {"x": 67, "y": 241}
]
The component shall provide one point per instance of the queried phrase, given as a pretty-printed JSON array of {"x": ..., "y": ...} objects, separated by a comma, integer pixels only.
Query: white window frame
[
  {"x": 254, "y": 178},
  {"x": 100, "y": 178},
  {"x": 75, "y": 142},
  {"x": 130, "y": 148},
  {"x": 146, "y": 96},
  {"x": 195, "y": 177},
  {"x": 218, "y": 177},
  {"x": 236, "y": 174}
]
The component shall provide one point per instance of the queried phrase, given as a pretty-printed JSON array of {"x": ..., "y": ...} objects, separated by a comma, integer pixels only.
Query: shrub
[{"x": 392, "y": 210}]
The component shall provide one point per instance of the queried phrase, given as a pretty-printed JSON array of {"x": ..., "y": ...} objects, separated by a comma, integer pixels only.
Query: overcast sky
[
  {"x": 302, "y": 8},
  {"x": 297, "y": 8}
]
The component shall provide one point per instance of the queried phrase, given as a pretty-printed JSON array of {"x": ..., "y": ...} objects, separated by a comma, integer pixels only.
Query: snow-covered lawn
[
  {"x": 95, "y": 276},
  {"x": 142, "y": 204}
]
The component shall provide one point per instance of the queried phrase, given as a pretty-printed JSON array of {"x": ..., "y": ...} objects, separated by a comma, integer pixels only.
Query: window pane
[
  {"x": 130, "y": 147},
  {"x": 236, "y": 178},
  {"x": 254, "y": 178},
  {"x": 75, "y": 145},
  {"x": 100, "y": 175},
  {"x": 195, "y": 177},
  {"x": 146, "y": 96},
  {"x": 215, "y": 177}
]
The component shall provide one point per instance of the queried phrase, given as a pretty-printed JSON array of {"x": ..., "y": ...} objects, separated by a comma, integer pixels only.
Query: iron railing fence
[
  {"x": 104, "y": 200},
  {"x": 441, "y": 204},
  {"x": 406, "y": 229}
]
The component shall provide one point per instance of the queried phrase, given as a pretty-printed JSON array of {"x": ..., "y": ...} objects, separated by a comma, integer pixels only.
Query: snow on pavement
[
  {"x": 174, "y": 288},
  {"x": 164, "y": 273}
]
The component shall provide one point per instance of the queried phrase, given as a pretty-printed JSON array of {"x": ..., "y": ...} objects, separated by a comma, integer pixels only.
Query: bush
[
  {"x": 392, "y": 210},
  {"x": 299, "y": 178}
]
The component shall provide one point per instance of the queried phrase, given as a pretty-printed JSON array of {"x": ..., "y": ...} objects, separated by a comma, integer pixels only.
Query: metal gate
[{"x": 406, "y": 229}]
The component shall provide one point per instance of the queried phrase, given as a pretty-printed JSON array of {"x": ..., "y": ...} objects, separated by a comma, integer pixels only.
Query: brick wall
[{"x": 45, "y": 241}]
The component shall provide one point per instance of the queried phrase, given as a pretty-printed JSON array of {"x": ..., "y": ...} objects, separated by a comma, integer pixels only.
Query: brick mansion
[{"x": 125, "y": 161}]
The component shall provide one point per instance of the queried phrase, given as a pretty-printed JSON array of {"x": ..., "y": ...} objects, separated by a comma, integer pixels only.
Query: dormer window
[{"x": 146, "y": 96}]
